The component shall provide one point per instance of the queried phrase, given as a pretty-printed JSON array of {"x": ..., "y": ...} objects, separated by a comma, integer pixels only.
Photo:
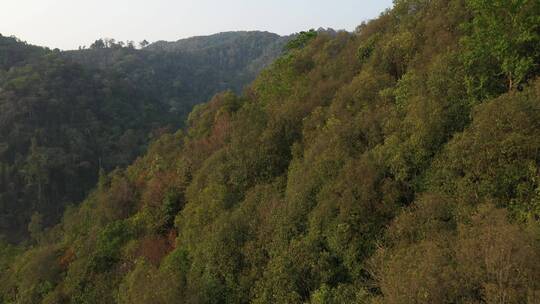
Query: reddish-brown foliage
[
  {"x": 66, "y": 258},
  {"x": 153, "y": 248}
]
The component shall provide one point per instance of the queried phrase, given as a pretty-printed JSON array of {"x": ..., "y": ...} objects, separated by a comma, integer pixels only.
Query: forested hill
[
  {"x": 14, "y": 52},
  {"x": 64, "y": 116},
  {"x": 220, "y": 40},
  {"x": 189, "y": 70},
  {"x": 396, "y": 164}
]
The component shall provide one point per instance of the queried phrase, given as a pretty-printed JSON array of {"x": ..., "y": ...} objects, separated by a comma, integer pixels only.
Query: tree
[
  {"x": 301, "y": 40},
  {"x": 503, "y": 44},
  {"x": 98, "y": 44},
  {"x": 144, "y": 44},
  {"x": 36, "y": 171},
  {"x": 35, "y": 227},
  {"x": 498, "y": 258}
]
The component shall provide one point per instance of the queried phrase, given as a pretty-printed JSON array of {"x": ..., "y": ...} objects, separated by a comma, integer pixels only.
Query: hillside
[
  {"x": 14, "y": 52},
  {"x": 66, "y": 116},
  {"x": 220, "y": 40},
  {"x": 190, "y": 70},
  {"x": 396, "y": 164}
]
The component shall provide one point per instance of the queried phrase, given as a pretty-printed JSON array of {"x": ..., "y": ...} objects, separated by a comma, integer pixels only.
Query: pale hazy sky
[{"x": 66, "y": 24}]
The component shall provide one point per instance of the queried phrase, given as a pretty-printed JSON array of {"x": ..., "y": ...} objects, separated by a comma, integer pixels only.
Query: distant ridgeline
[
  {"x": 188, "y": 71},
  {"x": 64, "y": 115}
]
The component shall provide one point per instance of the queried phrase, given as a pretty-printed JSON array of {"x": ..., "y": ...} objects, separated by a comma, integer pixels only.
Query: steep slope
[
  {"x": 66, "y": 116},
  {"x": 396, "y": 164}
]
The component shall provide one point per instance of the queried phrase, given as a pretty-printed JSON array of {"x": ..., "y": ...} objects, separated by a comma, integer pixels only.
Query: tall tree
[{"x": 503, "y": 46}]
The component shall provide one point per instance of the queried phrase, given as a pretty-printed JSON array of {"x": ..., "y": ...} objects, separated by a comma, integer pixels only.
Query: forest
[
  {"x": 67, "y": 116},
  {"x": 399, "y": 163}
]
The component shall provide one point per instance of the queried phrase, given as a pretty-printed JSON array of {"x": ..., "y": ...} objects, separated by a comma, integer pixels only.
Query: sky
[{"x": 68, "y": 24}]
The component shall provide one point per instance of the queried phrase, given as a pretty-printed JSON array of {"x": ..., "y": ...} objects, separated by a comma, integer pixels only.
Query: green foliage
[
  {"x": 301, "y": 40},
  {"x": 146, "y": 284},
  {"x": 358, "y": 168},
  {"x": 67, "y": 116},
  {"x": 35, "y": 227},
  {"x": 496, "y": 157},
  {"x": 109, "y": 242},
  {"x": 14, "y": 52},
  {"x": 477, "y": 260},
  {"x": 33, "y": 275},
  {"x": 366, "y": 49},
  {"x": 502, "y": 49}
]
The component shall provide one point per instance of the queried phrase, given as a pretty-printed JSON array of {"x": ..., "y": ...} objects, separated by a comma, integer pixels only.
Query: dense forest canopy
[
  {"x": 396, "y": 164},
  {"x": 189, "y": 70},
  {"x": 66, "y": 116}
]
